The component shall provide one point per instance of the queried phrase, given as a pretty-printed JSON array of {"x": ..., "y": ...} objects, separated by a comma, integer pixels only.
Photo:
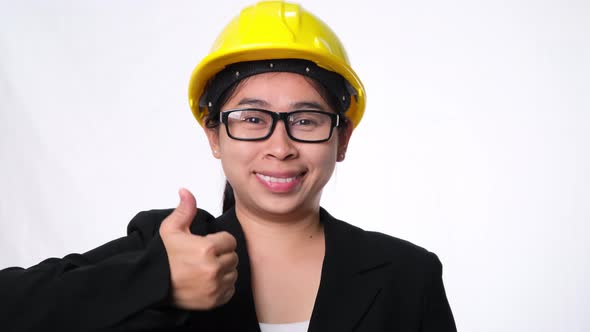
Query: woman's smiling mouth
[{"x": 280, "y": 183}]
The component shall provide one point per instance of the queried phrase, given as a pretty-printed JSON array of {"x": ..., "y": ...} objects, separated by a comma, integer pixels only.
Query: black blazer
[{"x": 369, "y": 282}]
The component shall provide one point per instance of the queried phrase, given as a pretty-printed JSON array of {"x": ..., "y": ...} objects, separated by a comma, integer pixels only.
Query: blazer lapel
[
  {"x": 239, "y": 314},
  {"x": 349, "y": 281}
]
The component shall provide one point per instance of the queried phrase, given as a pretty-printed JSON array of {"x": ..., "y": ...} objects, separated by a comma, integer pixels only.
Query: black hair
[{"x": 214, "y": 108}]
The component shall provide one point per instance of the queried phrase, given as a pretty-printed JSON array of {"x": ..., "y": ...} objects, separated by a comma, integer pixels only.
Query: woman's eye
[
  {"x": 308, "y": 122},
  {"x": 304, "y": 122},
  {"x": 253, "y": 120}
]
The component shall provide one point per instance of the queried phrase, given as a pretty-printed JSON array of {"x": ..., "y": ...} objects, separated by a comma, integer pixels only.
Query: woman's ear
[
  {"x": 343, "y": 139},
  {"x": 213, "y": 138}
]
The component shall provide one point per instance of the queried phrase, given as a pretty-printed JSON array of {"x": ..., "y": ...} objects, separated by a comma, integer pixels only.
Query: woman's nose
[{"x": 280, "y": 145}]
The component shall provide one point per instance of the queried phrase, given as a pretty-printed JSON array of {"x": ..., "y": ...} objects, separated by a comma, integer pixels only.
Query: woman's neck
[
  {"x": 282, "y": 233},
  {"x": 286, "y": 253}
]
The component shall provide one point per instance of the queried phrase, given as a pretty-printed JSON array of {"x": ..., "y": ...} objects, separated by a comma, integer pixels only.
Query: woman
[{"x": 278, "y": 101}]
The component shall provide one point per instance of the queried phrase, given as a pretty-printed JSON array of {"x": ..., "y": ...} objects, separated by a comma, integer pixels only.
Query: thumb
[{"x": 180, "y": 219}]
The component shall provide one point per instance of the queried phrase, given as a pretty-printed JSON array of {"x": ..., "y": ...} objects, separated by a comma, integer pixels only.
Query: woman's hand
[{"x": 202, "y": 268}]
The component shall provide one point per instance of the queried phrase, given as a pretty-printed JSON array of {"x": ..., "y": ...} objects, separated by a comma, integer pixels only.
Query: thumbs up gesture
[{"x": 202, "y": 268}]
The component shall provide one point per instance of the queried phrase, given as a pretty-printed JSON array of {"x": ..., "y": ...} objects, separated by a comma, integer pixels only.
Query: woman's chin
[{"x": 280, "y": 206}]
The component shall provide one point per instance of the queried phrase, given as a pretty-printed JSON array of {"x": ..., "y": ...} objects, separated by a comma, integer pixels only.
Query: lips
[
  {"x": 274, "y": 179},
  {"x": 280, "y": 182}
]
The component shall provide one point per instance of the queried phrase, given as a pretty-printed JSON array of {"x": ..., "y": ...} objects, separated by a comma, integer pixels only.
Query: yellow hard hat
[{"x": 276, "y": 30}]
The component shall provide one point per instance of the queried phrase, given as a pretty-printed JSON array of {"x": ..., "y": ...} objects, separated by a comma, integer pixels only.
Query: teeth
[{"x": 273, "y": 179}]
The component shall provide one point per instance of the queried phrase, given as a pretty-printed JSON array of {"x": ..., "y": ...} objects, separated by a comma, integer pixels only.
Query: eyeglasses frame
[{"x": 276, "y": 116}]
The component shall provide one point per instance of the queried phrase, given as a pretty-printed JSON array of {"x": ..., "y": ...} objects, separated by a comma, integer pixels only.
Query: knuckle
[
  {"x": 209, "y": 303},
  {"x": 232, "y": 240},
  {"x": 208, "y": 249},
  {"x": 227, "y": 238},
  {"x": 211, "y": 271},
  {"x": 212, "y": 291},
  {"x": 228, "y": 295}
]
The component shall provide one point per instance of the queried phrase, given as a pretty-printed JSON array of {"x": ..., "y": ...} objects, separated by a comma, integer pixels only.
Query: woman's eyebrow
[
  {"x": 297, "y": 105},
  {"x": 254, "y": 102},
  {"x": 308, "y": 105}
]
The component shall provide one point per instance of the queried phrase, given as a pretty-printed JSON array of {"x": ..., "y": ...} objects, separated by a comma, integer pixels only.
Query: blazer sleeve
[
  {"x": 124, "y": 283},
  {"x": 437, "y": 312}
]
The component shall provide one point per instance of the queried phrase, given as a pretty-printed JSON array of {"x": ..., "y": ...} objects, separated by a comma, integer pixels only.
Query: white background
[{"x": 474, "y": 144}]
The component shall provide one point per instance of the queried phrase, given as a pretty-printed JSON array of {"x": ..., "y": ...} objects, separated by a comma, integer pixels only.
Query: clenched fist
[{"x": 203, "y": 268}]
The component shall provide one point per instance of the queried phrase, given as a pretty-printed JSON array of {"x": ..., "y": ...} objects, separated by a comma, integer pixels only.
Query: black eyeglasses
[{"x": 253, "y": 124}]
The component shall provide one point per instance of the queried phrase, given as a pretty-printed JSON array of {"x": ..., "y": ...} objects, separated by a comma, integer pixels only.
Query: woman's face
[{"x": 277, "y": 176}]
